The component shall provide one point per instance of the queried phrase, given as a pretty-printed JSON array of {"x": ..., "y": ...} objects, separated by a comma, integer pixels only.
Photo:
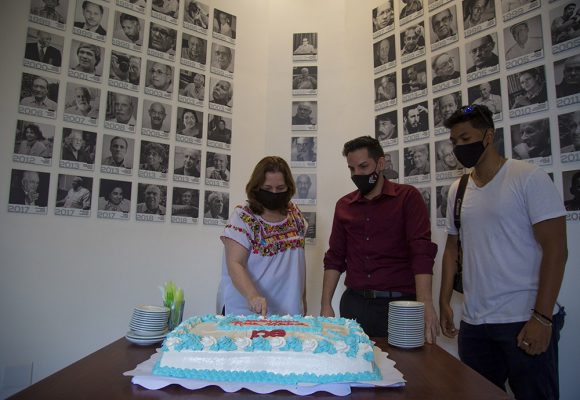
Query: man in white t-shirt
[{"x": 513, "y": 236}]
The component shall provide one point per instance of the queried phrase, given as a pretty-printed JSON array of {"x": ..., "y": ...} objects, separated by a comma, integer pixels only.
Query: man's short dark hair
[
  {"x": 128, "y": 17},
  {"x": 364, "y": 142},
  {"x": 478, "y": 115},
  {"x": 86, "y": 3}
]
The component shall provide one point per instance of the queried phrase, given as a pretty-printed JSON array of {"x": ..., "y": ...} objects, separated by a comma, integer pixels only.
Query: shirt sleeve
[
  {"x": 336, "y": 254},
  {"x": 451, "y": 229},
  {"x": 542, "y": 198},
  {"x": 422, "y": 250},
  {"x": 238, "y": 230}
]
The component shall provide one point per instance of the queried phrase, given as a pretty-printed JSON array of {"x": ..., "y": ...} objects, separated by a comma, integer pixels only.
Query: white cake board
[{"x": 143, "y": 376}]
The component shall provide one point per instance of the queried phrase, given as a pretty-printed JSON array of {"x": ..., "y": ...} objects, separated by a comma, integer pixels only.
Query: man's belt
[{"x": 373, "y": 294}]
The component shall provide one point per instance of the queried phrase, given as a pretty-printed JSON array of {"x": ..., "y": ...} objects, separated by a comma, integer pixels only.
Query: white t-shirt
[
  {"x": 501, "y": 257},
  {"x": 276, "y": 263}
]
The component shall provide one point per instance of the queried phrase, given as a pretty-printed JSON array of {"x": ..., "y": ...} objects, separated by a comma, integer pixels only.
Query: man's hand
[
  {"x": 534, "y": 338},
  {"x": 327, "y": 311},
  {"x": 446, "y": 320},
  {"x": 431, "y": 325}
]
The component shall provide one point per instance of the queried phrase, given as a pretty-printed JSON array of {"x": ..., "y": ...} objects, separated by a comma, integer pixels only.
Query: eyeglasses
[{"x": 477, "y": 109}]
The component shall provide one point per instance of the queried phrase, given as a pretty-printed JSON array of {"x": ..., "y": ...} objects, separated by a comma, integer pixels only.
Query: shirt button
[
  {"x": 368, "y": 219},
  {"x": 369, "y": 275},
  {"x": 368, "y": 238}
]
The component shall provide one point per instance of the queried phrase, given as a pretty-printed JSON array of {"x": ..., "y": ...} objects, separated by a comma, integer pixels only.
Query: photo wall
[
  {"x": 125, "y": 111},
  {"x": 519, "y": 58},
  {"x": 304, "y": 126}
]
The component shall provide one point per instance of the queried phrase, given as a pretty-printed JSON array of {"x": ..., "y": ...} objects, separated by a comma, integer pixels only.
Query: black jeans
[
  {"x": 491, "y": 350},
  {"x": 371, "y": 314}
]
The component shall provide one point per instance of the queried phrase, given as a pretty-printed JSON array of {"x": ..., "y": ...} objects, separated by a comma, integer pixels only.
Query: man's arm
[
  {"x": 551, "y": 236},
  {"x": 423, "y": 284},
  {"x": 449, "y": 268},
  {"x": 329, "y": 283}
]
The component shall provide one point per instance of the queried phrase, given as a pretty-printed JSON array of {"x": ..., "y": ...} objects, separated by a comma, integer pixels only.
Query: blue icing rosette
[
  {"x": 292, "y": 344},
  {"x": 261, "y": 343},
  {"x": 224, "y": 343},
  {"x": 324, "y": 346}
]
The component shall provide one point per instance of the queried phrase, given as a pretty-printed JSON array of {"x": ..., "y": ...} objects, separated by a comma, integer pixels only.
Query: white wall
[{"x": 67, "y": 285}]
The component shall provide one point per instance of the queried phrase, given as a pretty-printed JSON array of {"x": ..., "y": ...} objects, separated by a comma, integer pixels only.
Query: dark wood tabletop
[{"x": 430, "y": 372}]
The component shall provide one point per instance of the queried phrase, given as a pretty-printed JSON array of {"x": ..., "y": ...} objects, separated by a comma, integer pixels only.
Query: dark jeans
[
  {"x": 491, "y": 350},
  {"x": 371, "y": 314}
]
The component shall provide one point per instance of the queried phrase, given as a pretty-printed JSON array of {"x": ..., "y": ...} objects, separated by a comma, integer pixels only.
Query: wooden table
[{"x": 430, "y": 371}]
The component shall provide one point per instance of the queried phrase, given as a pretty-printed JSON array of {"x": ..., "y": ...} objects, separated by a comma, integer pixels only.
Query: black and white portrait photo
[
  {"x": 305, "y": 46},
  {"x": 121, "y": 112},
  {"x": 499, "y": 141},
  {"x": 417, "y": 163},
  {"x": 86, "y": 61},
  {"x": 125, "y": 70},
  {"x": 571, "y": 189},
  {"x": 196, "y": 16},
  {"x": 117, "y": 155},
  {"x": 304, "y": 115},
  {"x": 222, "y": 60},
  {"x": 426, "y": 195},
  {"x": 156, "y": 119},
  {"x": 224, "y": 26},
  {"x": 527, "y": 91},
  {"x": 185, "y": 205},
  {"x": 305, "y": 188},
  {"x": 81, "y": 104},
  {"x": 78, "y": 149},
  {"x": 191, "y": 87},
  {"x": 481, "y": 57},
  {"x": 91, "y": 19},
  {"x": 305, "y": 80},
  {"x": 153, "y": 160},
  {"x": 478, "y": 15},
  {"x": 383, "y": 18},
  {"x": 446, "y": 69},
  {"x": 415, "y": 122},
  {"x": 446, "y": 165},
  {"x": 43, "y": 50},
  {"x": 442, "y": 193},
  {"x": 189, "y": 125},
  {"x": 567, "y": 78},
  {"x": 221, "y": 93},
  {"x": 28, "y": 192},
  {"x": 303, "y": 151},
  {"x": 565, "y": 26},
  {"x": 310, "y": 217},
  {"x": 412, "y": 41},
  {"x": 443, "y": 28},
  {"x": 414, "y": 81},
  {"x": 219, "y": 132},
  {"x": 523, "y": 42},
  {"x": 73, "y": 196},
  {"x": 384, "y": 54},
  {"x": 217, "y": 169},
  {"x": 391, "y": 170},
  {"x": 129, "y": 31},
  {"x": 114, "y": 199},
  {"x": 159, "y": 79},
  {"x": 38, "y": 96},
  {"x": 514, "y": 8},
  {"x": 51, "y": 13},
  {"x": 386, "y": 131},
  {"x": 385, "y": 91},
  {"x": 162, "y": 41},
  {"x": 165, "y": 10},
  {"x": 487, "y": 94},
  {"x": 215, "y": 207},
  {"x": 569, "y": 133},
  {"x": 410, "y": 9},
  {"x": 443, "y": 107},
  {"x": 531, "y": 140},
  {"x": 151, "y": 202},
  {"x": 33, "y": 143},
  {"x": 186, "y": 165},
  {"x": 193, "y": 51}
]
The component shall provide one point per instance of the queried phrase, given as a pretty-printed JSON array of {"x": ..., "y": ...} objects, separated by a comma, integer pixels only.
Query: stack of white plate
[
  {"x": 406, "y": 324},
  {"x": 148, "y": 324}
]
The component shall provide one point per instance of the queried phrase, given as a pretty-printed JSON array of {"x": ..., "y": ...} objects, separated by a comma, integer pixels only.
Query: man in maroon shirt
[{"x": 381, "y": 238}]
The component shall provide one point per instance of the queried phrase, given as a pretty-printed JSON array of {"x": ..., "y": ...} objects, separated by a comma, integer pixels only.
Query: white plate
[
  {"x": 151, "y": 309},
  {"x": 147, "y": 334},
  {"x": 142, "y": 342}
]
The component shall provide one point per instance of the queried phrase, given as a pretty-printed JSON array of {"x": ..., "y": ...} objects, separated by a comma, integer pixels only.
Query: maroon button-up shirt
[{"x": 384, "y": 242}]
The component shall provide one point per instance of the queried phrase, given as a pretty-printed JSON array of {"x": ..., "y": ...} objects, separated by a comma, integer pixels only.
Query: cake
[{"x": 284, "y": 350}]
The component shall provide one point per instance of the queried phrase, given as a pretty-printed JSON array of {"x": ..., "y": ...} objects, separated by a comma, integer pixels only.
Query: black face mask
[
  {"x": 469, "y": 154},
  {"x": 272, "y": 201},
  {"x": 365, "y": 183}
]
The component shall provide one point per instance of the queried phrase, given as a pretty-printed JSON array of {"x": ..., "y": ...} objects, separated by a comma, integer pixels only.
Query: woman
[
  {"x": 33, "y": 145},
  {"x": 534, "y": 89},
  {"x": 264, "y": 267},
  {"x": 191, "y": 125},
  {"x": 115, "y": 201}
]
